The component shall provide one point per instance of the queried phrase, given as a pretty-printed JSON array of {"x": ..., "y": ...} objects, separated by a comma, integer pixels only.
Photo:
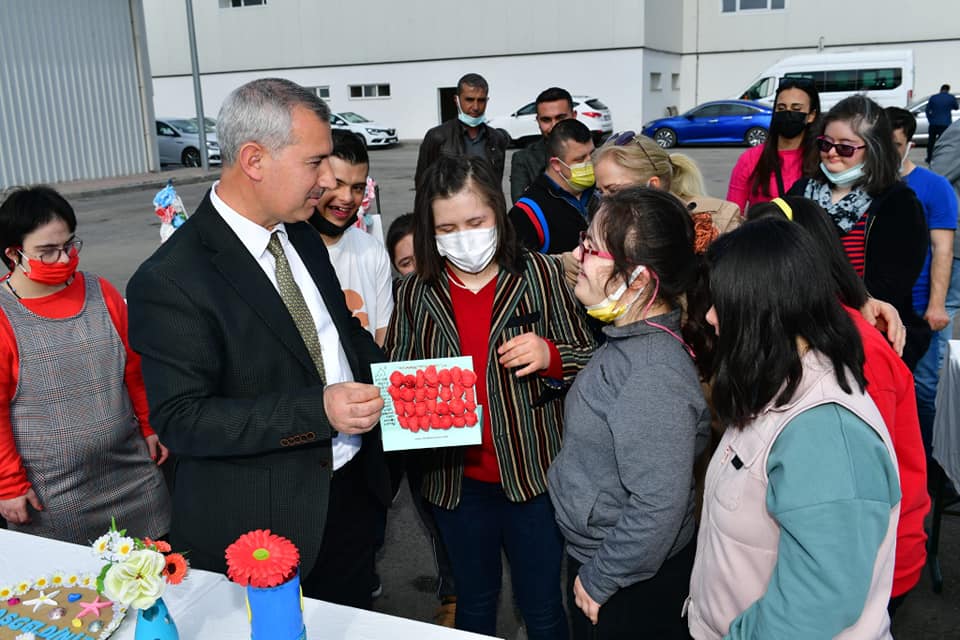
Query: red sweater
[
  {"x": 65, "y": 303},
  {"x": 890, "y": 385},
  {"x": 472, "y": 314}
]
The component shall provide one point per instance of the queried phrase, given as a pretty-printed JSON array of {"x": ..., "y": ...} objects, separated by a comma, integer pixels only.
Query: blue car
[{"x": 727, "y": 121}]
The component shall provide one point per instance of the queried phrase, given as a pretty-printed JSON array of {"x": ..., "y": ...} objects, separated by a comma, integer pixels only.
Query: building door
[{"x": 448, "y": 108}]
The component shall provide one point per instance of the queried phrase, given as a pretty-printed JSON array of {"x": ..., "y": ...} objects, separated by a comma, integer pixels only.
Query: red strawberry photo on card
[{"x": 428, "y": 403}]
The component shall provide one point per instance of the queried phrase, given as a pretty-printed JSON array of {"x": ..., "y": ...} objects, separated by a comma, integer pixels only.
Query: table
[
  {"x": 946, "y": 454},
  {"x": 207, "y": 605}
]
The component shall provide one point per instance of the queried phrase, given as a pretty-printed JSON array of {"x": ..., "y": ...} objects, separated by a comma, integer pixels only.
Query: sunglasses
[
  {"x": 843, "y": 150},
  {"x": 628, "y": 137},
  {"x": 584, "y": 251}
]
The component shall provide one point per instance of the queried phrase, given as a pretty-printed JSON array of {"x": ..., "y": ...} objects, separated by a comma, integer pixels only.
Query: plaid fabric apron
[{"x": 75, "y": 428}]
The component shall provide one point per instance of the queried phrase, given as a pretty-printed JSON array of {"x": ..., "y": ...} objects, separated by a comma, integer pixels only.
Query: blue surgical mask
[
  {"x": 843, "y": 178},
  {"x": 470, "y": 121}
]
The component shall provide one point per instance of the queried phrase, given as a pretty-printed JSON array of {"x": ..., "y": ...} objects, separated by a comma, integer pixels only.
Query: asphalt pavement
[{"x": 120, "y": 230}]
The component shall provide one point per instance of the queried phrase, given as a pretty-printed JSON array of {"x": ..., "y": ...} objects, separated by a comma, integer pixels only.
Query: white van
[{"x": 885, "y": 76}]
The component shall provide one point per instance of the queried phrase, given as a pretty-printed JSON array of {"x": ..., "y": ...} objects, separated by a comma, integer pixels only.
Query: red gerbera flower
[
  {"x": 175, "y": 568},
  {"x": 158, "y": 545},
  {"x": 261, "y": 559}
]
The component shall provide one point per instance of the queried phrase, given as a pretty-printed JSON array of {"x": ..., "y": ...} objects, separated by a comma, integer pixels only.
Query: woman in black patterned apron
[{"x": 76, "y": 448}]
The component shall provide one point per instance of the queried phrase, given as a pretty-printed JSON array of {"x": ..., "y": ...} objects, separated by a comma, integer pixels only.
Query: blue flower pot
[
  {"x": 155, "y": 623},
  {"x": 276, "y": 613}
]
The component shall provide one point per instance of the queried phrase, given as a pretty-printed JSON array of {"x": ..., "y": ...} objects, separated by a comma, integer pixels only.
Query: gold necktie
[{"x": 293, "y": 299}]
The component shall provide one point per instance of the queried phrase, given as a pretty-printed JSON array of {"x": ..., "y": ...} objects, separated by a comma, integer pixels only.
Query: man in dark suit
[{"x": 256, "y": 371}]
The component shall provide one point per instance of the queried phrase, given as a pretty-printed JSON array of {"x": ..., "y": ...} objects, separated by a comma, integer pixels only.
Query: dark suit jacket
[
  {"x": 447, "y": 138},
  {"x": 233, "y": 392}
]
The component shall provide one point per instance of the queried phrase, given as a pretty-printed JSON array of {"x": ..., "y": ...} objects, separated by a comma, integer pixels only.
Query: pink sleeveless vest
[{"x": 737, "y": 541}]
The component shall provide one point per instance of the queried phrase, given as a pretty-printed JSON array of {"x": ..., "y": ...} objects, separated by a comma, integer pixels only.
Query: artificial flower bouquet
[
  {"x": 268, "y": 566},
  {"x": 136, "y": 570}
]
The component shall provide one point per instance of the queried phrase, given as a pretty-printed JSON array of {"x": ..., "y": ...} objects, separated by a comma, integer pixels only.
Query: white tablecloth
[
  {"x": 207, "y": 605},
  {"x": 946, "y": 427}
]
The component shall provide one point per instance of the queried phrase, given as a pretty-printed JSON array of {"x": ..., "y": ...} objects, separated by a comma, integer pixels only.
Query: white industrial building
[
  {"x": 392, "y": 60},
  {"x": 75, "y": 94}
]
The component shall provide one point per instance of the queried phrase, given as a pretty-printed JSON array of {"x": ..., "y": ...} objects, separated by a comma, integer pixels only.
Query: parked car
[
  {"x": 919, "y": 110},
  {"x": 179, "y": 142},
  {"x": 373, "y": 133},
  {"x": 726, "y": 121},
  {"x": 522, "y": 123}
]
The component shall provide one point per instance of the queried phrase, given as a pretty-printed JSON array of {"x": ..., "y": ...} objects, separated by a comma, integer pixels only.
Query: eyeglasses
[
  {"x": 51, "y": 256},
  {"x": 584, "y": 251},
  {"x": 790, "y": 82},
  {"x": 843, "y": 150}
]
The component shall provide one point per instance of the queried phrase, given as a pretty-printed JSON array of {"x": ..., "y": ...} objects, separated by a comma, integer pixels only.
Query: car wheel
[
  {"x": 190, "y": 157},
  {"x": 755, "y": 136},
  {"x": 666, "y": 138}
]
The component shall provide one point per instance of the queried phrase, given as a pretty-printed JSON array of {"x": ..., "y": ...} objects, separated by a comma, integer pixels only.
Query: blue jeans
[
  {"x": 474, "y": 533},
  {"x": 927, "y": 373}
]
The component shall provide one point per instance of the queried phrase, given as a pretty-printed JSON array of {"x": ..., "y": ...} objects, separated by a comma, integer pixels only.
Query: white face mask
[
  {"x": 470, "y": 251},
  {"x": 906, "y": 153}
]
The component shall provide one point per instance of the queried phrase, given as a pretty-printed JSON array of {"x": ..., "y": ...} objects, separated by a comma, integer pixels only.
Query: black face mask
[
  {"x": 788, "y": 124},
  {"x": 327, "y": 228}
]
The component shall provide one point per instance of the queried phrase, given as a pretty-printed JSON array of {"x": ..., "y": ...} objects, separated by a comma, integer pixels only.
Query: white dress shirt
[{"x": 336, "y": 366}]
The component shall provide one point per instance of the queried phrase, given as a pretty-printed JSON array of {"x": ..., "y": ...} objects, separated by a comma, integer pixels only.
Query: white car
[
  {"x": 522, "y": 123},
  {"x": 373, "y": 133},
  {"x": 178, "y": 140}
]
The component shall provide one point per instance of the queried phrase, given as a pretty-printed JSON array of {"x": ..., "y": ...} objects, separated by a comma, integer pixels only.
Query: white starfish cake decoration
[{"x": 41, "y": 600}]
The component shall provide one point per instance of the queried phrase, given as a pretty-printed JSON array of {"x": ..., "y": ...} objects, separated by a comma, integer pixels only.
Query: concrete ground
[{"x": 119, "y": 229}]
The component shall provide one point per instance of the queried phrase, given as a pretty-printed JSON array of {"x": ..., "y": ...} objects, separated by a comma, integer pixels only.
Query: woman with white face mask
[
  {"x": 635, "y": 421},
  {"x": 476, "y": 293},
  {"x": 879, "y": 219}
]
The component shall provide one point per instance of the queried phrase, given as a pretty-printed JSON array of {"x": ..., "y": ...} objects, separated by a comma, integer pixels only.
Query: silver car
[
  {"x": 179, "y": 142},
  {"x": 919, "y": 110}
]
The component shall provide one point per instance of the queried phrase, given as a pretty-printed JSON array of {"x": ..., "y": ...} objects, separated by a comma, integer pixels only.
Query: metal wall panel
[{"x": 69, "y": 96}]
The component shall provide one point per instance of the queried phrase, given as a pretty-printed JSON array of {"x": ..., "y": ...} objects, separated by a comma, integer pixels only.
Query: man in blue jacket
[{"x": 939, "y": 117}]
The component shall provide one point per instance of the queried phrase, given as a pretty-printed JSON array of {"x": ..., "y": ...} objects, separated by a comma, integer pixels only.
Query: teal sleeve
[{"x": 832, "y": 485}]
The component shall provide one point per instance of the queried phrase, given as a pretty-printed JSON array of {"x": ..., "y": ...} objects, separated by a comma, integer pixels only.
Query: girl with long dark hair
[
  {"x": 889, "y": 384},
  {"x": 765, "y": 172},
  {"x": 802, "y": 499}
]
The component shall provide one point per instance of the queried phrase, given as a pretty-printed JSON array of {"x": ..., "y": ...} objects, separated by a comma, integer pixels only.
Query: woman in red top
[
  {"x": 76, "y": 448},
  {"x": 889, "y": 384},
  {"x": 767, "y": 171},
  {"x": 477, "y": 293}
]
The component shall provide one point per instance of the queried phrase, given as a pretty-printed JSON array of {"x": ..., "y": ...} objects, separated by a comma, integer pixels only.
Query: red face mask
[{"x": 51, "y": 274}]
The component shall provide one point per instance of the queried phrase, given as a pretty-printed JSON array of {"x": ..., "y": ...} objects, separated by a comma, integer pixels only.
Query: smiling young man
[{"x": 360, "y": 260}]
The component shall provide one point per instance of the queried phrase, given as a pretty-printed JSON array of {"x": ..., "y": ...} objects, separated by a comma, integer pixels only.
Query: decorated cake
[{"x": 57, "y": 607}]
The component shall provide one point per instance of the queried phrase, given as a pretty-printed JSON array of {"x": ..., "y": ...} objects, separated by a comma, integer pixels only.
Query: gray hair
[{"x": 261, "y": 111}]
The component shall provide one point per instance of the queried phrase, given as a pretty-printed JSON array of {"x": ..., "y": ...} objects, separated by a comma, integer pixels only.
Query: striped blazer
[{"x": 525, "y": 414}]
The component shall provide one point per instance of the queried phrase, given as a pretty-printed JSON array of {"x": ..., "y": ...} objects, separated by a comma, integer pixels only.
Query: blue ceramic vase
[{"x": 155, "y": 623}]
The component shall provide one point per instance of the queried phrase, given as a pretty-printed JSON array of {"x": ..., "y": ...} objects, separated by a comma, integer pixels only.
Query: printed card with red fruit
[{"x": 428, "y": 403}]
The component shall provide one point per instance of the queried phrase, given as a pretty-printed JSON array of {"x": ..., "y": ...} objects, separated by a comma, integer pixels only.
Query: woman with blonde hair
[{"x": 631, "y": 159}]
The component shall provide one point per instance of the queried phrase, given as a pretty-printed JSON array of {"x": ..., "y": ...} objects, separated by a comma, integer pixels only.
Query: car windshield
[
  {"x": 186, "y": 126},
  {"x": 593, "y": 103},
  {"x": 353, "y": 118},
  {"x": 210, "y": 124}
]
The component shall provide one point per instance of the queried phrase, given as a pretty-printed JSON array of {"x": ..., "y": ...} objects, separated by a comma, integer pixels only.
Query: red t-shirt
[
  {"x": 890, "y": 385},
  {"x": 65, "y": 303}
]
